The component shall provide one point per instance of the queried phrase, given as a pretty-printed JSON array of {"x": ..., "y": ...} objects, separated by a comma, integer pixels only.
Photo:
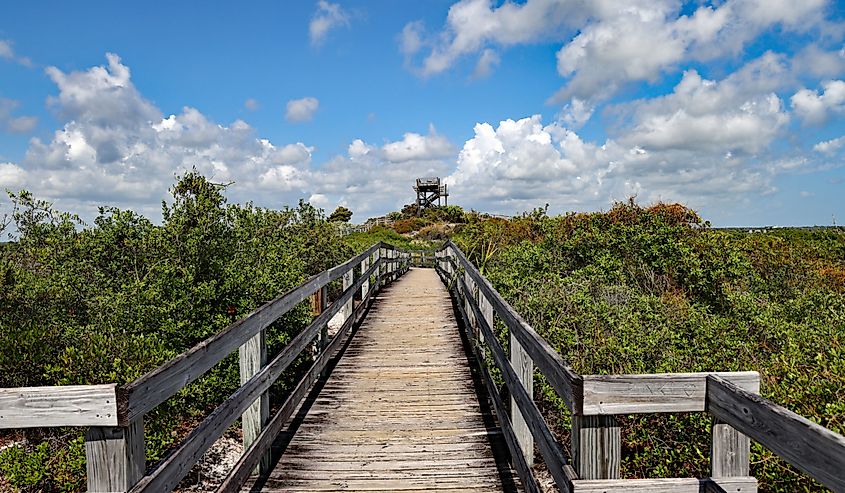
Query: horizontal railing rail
[
  {"x": 806, "y": 445},
  {"x": 115, "y": 440},
  {"x": 594, "y": 401}
]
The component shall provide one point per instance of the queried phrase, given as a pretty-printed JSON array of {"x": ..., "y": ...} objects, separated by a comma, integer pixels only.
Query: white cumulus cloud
[
  {"x": 414, "y": 146},
  {"x": 301, "y": 110},
  {"x": 327, "y": 17},
  {"x": 830, "y": 147},
  {"x": 815, "y": 108}
]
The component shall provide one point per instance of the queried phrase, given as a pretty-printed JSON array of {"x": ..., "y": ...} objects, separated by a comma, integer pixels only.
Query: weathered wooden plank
[
  {"x": 179, "y": 461},
  {"x": 363, "y": 427},
  {"x": 596, "y": 447},
  {"x": 655, "y": 393},
  {"x": 521, "y": 465},
  {"x": 68, "y": 405},
  {"x": 808, "y": 446},
  {"x": 240, "y": 472},
  {"x": 667, "y": 485},
  {"x": 560, "y": 376},
  {"x": 524, "y": 369},
  {"x": 730, "y": 451},
  {"x": 253, "y": 357},
  {"x": 549, "y": 447},
  {"x": 114, "y": 457},
  {"x": 153, "y": 388},
  {"x": 348, "y": 280}
]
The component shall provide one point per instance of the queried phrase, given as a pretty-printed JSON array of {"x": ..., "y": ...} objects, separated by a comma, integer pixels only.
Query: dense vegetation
[
  {"x": 639, "y": 290},
  {"x": 110, "y": 301},
  {"x": 632, "y": 290}
]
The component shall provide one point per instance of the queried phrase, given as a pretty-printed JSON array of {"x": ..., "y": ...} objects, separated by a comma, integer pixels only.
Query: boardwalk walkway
[{"x": 400, "y": 411}]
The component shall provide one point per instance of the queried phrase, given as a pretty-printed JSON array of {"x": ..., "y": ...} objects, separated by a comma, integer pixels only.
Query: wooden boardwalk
[{"x": 400, "y": 411}]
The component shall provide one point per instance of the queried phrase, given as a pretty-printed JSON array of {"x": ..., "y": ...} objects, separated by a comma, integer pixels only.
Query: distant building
[{"x": 428, "y": 191}]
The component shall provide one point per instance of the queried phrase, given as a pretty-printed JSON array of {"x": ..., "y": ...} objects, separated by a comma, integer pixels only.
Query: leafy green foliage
[
  {"x": 340, "y": 215},
  {"x": 644, "y": 290},
  {"x": 109, "y": 302}
]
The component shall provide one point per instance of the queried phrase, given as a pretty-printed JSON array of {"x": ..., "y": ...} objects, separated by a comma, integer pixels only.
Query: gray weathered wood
[
  {"x": 323, "y": 299},
  {"x": 114, "y": 457},
  {"x": 596, "y": 447},
  {"x": 549, "y": 447},
  {"x": 560, "y": 376},
  {"x": 524, "y": 369},
  {"x": 68, "y": 405},
  {"x": 251, "y": 457},
  {"x": 808, "y": 446},
  {"x": 150, "y": 390},
  {"x": 365, "y": 285},
  {"x": 729, "y": 451},
  {"x": 526, "y": 474},
  {"x": 253, "y": 357},
  {"x": 348, "y": 279},
  {"x": 179, "y": 461},
  {"x": 364, "y": 432},
  {"x": 667, "y": 485},
  {"x": 655, "y": 393}
]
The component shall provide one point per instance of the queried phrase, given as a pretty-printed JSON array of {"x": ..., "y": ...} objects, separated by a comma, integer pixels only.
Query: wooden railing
[
  {"x": 422, "y": 258},
  {"x": 594, "y": 401},
  {"x": 114, "y": 442}
]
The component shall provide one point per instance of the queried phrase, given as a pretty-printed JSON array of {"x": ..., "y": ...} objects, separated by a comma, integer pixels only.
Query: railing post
[
  {"x": 524, "y": 368},
  {"x": 115, "y": 457},
  {"x": 377, "y": 256},
  {"x": 323, "y": 301},
  {"x": 729, "y": 452},
  {"x": 348, "y": 280},
  {"x": 252, "y": 358},
  {"x": 596, "y": 447},
  {"x": 470, "y": 293},
  {"x": 365, "y": 286}
]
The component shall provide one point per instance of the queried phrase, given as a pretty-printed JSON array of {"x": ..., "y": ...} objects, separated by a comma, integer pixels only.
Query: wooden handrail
[
  {"x": 249, "y": 460},
  {"x": 148, "y": 391},
  {"x": 115, "y": 441},
  {"x": 560, "y": 375},
  {"x": 549, "y": 448},
  {"x": 731, "y": 397},
  {"x": 808, "y": 446},
  {"x": 179, "y": 462},
  {"x": 67, "y": 405}
]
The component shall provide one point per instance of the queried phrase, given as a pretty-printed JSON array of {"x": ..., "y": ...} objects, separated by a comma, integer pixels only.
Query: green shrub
[
  {"x": 111, "y": 301},
  {"x": 645, "y": 290}
]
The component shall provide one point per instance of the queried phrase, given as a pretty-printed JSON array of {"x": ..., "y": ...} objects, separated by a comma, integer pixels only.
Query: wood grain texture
[
  {"x": 730, "y": 451},
  {"x": 549, "y": 448},
  {"x": 68, "y": 405},
  {"x": 114, "y": 457},
  {"x": 560, "y": 376},
  {"x": 596, "y": 447},
  {"x": 808, "y": 446},
  {"x": 367, "y": 431},
  {"x": 672, "y": 485},
  {"x": 251, "y": 457},
  {"x": 522, "y": 467},
  {"x": 524, "y": 369},
  {"x": 252, "y": 358},
  {"x": 153, "y": 388},
  {"x": 180, "y": 460},
  {"x": 655, "y": 393}
]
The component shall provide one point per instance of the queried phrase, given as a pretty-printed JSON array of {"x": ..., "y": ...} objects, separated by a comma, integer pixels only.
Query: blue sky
[{"x": 732, "y": 107}]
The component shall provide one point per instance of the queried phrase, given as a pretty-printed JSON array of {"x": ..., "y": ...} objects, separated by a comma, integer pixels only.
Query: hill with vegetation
[
  {"x": 632, "y": 290},
  {"x": 645, "y": 290}
]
